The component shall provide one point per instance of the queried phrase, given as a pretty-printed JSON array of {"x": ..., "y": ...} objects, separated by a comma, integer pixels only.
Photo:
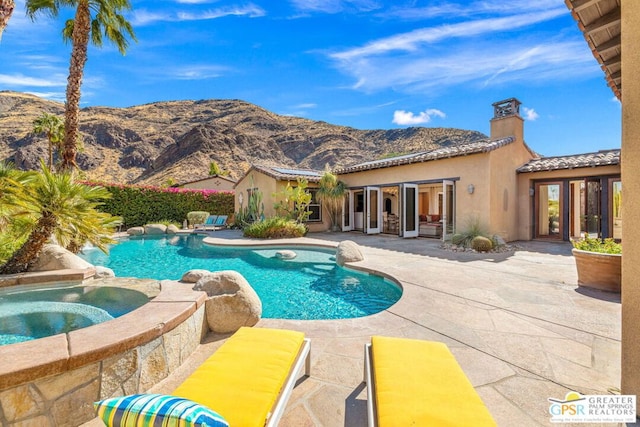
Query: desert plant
[
  {"x": 294, "y": 201},
  {"x": 596, "y": 244},
  {"x": 61, "y": 207},
  {"x": 481, "y": 244},
  {"x": 465, "y": 236},
  {"x": 275, "y": 228},
  {"x": 331, "y": 193}
]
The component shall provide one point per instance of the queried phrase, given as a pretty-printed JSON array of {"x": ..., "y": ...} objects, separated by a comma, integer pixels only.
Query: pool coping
[
  {"x": 30, "y": 360},
  {"x": 49, "y": 276}
]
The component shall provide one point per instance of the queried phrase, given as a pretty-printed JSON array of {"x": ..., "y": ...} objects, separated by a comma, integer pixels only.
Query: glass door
[
  {"x": 373, "y": 208},
  {"x": 347, "y": 211},
  {"x": 448, "y": 208},
  {"x": 592, "y": 214},
  {"x": 548, "y": 210},
  {"x": 409, "y": 210},
  {"x": 616, "y": 209}
]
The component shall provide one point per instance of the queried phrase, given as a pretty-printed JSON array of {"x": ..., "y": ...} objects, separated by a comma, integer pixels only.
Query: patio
[{"x": 516, "y": 322}]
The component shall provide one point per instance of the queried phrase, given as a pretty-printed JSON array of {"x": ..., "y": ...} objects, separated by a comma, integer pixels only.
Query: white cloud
[
  {"x": 335, "y": 6},
  {"x": 20, "y": 80},
  {"x": 466, "y": 9},
  {"x": 412, "y": 41},
  {"x": 142, "y": 17},
  {"x": 198, "y": 72},
  {"x": 401, "y": 117},
  {"x": 305, "y": 106},
  {"x": 530, "y": 114}
]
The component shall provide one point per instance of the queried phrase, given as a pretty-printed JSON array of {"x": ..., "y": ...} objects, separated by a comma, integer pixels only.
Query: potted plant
[{"x": 599, "y": 263}]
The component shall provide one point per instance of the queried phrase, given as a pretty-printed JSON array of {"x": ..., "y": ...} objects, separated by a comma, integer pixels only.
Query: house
[
  {"x": 270, "y": 181},
  {"x": 211, "y": 182},
  {"x": 497, "y": 183}
]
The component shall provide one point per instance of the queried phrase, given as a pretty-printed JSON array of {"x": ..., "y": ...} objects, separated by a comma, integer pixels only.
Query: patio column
[{"x": 630, "y": 47}]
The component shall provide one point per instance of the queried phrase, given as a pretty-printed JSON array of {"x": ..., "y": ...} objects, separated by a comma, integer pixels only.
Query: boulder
[
  {"x": 172, "y": 229},
  {"x": 348, "y": 251},
  {"x": 103, "y": 272},
  {"x": 192, "y": 276},
  {"x": 135, "y": 231},
  {"x": 232, "y": 302},
  {"x": 54, "y": 257},
  {"x": 286, "y": 254},
  {"x": 155, "y": 229}
]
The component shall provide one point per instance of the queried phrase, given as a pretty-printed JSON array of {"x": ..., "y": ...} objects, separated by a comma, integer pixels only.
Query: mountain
[{"x": 154, "y": 143}]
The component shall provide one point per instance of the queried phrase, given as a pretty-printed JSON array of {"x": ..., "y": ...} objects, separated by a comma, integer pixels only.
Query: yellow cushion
[
  {"x": 242, "y": 379},
  {"x": 419, "y": 383}
]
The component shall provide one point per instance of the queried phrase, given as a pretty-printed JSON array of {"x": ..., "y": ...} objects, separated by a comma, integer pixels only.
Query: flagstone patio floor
[{"x": 517, "y": 323}]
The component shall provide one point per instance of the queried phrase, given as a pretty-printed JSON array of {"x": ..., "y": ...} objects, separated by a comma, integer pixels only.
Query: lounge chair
[
  {"x": 249, "y": 379},
  {"x": 209, "y": 222},
  {"x": 414, "y": 382}
]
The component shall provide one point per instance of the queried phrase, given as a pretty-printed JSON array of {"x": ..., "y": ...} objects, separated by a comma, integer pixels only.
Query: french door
[
  {"x": 347, "y": 211},
  {"x": 373, "y": 210},
  {"x": 448, "y": 208},
  {"x": 410, "y": 210},
  {"x": 549, "y": 209}
]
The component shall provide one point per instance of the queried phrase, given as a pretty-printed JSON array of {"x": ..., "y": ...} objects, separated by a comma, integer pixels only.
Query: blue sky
[{"x": 369, "y": 64}]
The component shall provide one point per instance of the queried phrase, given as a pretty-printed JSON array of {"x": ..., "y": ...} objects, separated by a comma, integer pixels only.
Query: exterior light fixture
[
  {"x": 240, "y": 198},
  {"x": 471, "y": 188}
]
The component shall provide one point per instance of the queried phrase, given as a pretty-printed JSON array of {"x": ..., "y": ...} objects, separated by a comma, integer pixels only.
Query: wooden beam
[
  {"x": 609, "y": 44},
  {"x": 616, "y": 75},
  {"x": 613, "y": 60},
  {"x": 579, "y": 5},
  {"x": 609, "y": 20}
]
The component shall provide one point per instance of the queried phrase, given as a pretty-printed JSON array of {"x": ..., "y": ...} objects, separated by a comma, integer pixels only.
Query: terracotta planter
[{"x": 599, "y": 271}]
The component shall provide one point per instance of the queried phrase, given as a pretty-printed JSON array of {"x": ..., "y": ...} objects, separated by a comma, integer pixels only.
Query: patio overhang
[{"x": 599, "y": 21}]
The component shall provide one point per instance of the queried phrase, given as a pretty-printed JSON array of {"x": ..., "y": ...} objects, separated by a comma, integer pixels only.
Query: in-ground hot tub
[{"x": 28, "y": 313}]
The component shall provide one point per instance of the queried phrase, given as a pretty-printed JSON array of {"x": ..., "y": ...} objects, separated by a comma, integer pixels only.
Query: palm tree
[
  {"x": 6, "y": 10},
  {"x": 62, "y": 208},
  {"x": 12, "y": 184},
  {"x": 53, "y": 127},
  {"x": 331, "y": 193},
  {"x": 107, "y": 19}
]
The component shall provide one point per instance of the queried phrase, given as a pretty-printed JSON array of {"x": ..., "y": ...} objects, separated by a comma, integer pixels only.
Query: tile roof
[
  {"x": 226, "y": 178},
  {"x": 600, "y": 158},
  {"x": 285, "y": 173},
  {"x": 481, "y": 146}
]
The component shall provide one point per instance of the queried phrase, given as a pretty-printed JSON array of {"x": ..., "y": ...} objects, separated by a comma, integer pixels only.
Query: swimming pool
[
  {"x": 309, "y": 287},
  {"x": 27, "y": 314}
]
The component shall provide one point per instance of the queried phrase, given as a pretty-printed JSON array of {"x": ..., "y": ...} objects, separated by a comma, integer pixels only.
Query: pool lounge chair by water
[
  {"x": 249, "y": 379},
  {"x": 416, "y": 382},
  {"x": 213, "y": 223}
]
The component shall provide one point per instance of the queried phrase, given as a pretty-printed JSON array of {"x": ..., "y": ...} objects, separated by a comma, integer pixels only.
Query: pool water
[
  {"x": 35, "y": 313},
  {"x": 310, "y": 286}
]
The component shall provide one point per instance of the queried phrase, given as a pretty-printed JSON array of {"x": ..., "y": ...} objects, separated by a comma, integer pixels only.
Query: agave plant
[{"x": 65, "y": 209}]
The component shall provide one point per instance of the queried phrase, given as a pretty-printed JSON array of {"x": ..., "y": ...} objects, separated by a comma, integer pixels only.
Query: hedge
[{"x": 139, "y": 205}]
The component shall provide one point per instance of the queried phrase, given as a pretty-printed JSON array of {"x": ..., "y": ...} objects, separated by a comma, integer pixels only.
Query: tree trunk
[
  {"x": 6, "y": 9},
  {"x": 80, "y": 42},
  {"x": 28, "y": 253}
]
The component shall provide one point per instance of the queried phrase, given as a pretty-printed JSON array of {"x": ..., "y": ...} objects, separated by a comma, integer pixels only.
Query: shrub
[
  {"x": 595, "y": 244},
  {"x": 275, "y": 228},
  {"x": 481, "y": 244},
  {"x": 197, "y": 217},
  {"x": 146, "y": 205},
  {"x": 465, "y": 236}
]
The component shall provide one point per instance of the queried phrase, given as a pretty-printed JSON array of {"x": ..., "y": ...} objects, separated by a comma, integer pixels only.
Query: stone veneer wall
[{"x": 66, "y": 399}]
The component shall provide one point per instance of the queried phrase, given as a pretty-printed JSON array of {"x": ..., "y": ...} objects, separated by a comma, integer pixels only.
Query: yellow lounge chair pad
[
  {"x": 242, "y": 379},
  {"x": 419, "y": 383}
]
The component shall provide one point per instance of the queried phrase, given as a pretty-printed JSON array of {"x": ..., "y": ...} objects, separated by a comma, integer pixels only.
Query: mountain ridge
[{"x": 176, "y": 141}]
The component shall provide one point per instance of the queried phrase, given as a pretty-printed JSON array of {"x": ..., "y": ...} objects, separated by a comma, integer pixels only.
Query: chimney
[{"x": 506, "y": 120}]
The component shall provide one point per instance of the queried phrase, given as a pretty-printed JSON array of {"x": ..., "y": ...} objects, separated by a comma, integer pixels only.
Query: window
[{"x": 314, "y": 206}]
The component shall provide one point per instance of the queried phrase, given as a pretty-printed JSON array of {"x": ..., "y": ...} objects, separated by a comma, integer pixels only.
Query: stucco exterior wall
[
  {"x": 525, "y": 200},
  {"x": 269, "y": 187},
  {"x": 631, "y": 207},
  {"x": 464, "y": 170},
  {"x": 213, "y": 183}
]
